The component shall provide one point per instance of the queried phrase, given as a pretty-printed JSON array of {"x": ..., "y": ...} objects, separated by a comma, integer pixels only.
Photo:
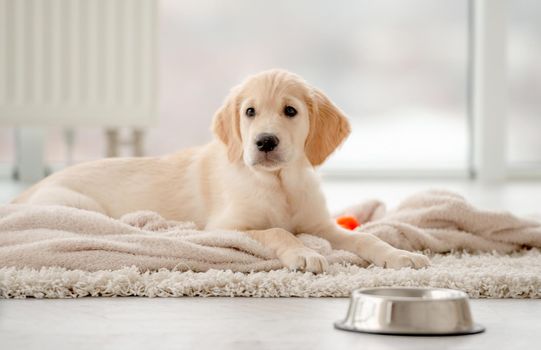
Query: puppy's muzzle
[{"x": 266, "y": 142}]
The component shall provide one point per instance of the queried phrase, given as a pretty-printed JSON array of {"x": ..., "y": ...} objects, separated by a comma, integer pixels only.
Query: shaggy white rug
[
  {"x": 485, "y": 275},
  {"x": 59, "y": 252}
]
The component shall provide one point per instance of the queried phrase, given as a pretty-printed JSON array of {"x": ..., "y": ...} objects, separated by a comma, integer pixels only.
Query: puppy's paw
[
  {"x": 398, "y": 259},
  {"x": 304, "y": 259}
]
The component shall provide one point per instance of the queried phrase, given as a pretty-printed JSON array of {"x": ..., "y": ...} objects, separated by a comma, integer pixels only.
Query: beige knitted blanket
[{"x": 439, "y": 221}]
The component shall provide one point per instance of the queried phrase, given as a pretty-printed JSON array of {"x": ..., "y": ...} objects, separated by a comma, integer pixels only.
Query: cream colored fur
[{"x": 229, "y": 184}]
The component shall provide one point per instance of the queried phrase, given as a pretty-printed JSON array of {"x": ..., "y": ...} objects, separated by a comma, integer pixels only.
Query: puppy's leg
[
  {"x": 371, "y": 248},
  {"x": 290, "y": 250},
  {"x": 58, "y": 195}
]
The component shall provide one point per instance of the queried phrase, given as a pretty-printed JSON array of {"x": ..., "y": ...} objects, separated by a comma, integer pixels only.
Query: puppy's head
[{"x": 275, "y": 118}]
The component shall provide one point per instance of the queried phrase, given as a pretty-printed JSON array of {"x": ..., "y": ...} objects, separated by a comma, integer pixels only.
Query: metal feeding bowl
[{"x": 409, "y": 311}]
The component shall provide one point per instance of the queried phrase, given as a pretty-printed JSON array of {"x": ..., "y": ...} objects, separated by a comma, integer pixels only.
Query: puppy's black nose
[{"x": 266, "y": 142}]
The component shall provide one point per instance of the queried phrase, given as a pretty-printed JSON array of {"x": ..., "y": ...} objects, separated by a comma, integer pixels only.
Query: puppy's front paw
[
  {"x": 304, "y": 259},
  {"x": 398, "y": 259}
]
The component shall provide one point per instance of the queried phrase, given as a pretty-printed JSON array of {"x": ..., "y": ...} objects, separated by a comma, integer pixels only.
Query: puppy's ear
[
  {"x": 226, "y": 126},
  {"x": 328, "y": 127}
]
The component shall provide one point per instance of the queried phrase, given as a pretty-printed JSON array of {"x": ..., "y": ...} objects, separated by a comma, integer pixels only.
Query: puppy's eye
[
  {"x": 250, "y": 112},
  {"x": 290, "y": 111}
]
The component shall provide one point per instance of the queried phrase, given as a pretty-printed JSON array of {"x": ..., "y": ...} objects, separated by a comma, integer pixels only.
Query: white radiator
[{"x": 78, "y": 62}]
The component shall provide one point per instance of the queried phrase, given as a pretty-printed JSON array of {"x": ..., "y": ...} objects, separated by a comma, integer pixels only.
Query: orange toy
[{"x": 348, "y": 222}]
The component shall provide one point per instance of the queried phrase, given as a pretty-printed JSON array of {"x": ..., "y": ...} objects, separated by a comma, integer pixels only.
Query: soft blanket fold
[{"x": 439, "y": 221}]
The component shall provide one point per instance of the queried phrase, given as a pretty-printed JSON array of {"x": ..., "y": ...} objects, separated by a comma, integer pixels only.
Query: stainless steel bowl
[{"x": 409, "y": 311}]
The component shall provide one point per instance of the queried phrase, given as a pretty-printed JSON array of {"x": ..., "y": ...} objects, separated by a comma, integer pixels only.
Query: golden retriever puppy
[{"x": 258, "y": 176}]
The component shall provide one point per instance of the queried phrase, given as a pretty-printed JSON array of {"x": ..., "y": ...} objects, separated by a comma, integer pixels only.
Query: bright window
[
  {"x": 397, "y": 68},
  {"x": 524, "y": 53}
]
